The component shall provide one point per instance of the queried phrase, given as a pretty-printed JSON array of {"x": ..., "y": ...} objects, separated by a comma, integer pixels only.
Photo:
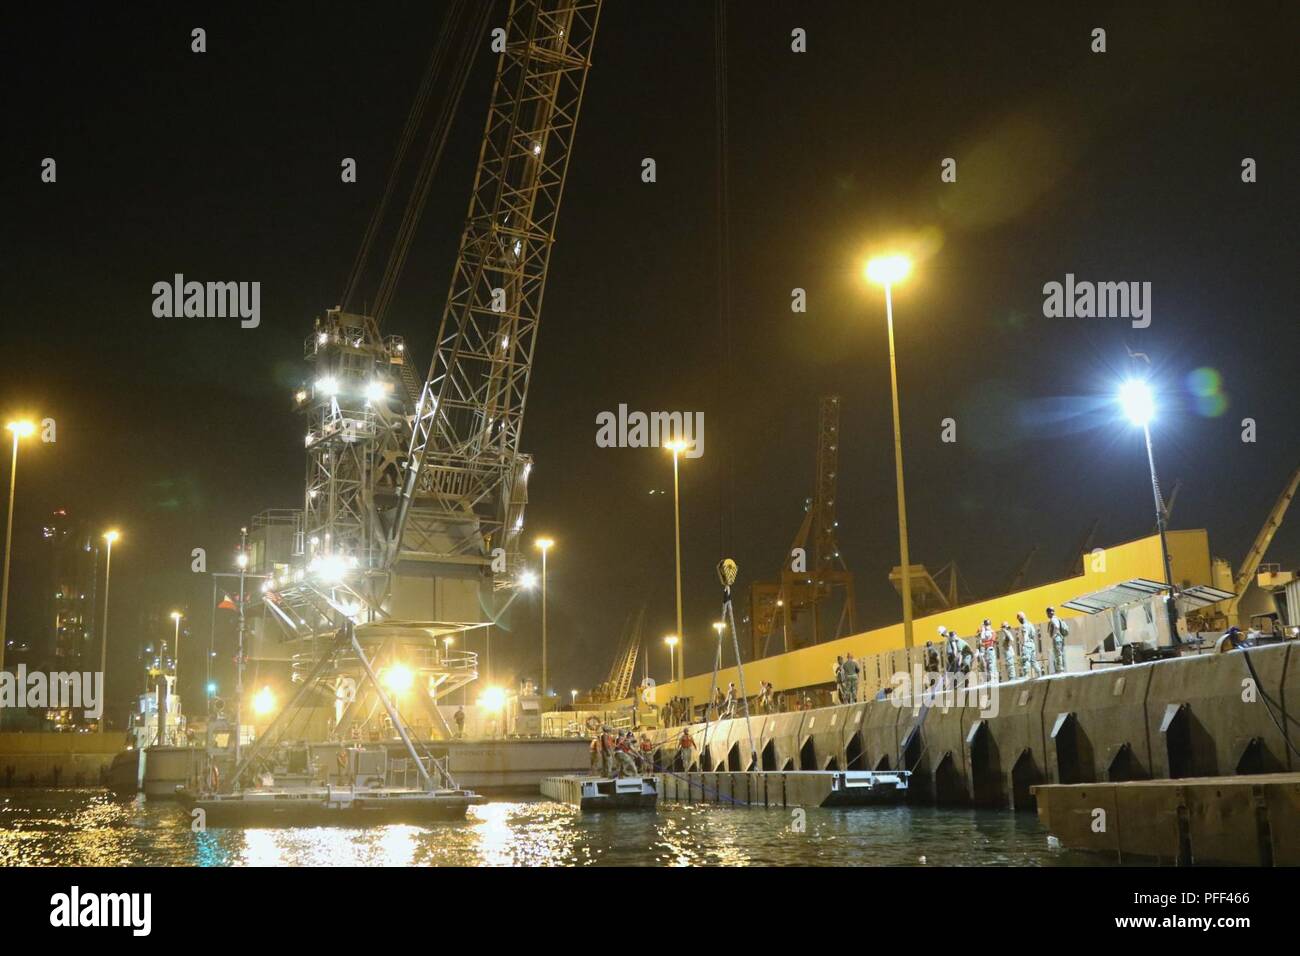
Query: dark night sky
[{"x": 224, "y": 166}]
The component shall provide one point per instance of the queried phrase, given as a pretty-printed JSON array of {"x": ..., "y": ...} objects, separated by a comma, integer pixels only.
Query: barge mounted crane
[{"x": 415, "y": 493}]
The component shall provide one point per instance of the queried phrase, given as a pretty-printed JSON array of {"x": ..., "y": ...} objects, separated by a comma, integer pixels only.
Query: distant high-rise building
[{"x": 71, "y": 589}]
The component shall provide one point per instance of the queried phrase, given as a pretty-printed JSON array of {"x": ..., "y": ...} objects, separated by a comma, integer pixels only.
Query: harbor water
[{"x": 90, "y": 828}]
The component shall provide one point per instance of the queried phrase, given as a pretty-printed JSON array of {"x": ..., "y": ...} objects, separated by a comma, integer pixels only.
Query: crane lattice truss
[
  {"x": 463, "y": 487},
  {"x": 783, "y": 601},
  {"x": 623, "y": 670},
  {"x": 399, "y": 469}
]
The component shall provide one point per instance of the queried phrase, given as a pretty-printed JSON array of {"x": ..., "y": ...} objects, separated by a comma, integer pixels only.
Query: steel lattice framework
[{"x": 463, "y": 486}]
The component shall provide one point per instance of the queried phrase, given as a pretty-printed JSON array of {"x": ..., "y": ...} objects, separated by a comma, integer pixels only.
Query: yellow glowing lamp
[
  {"x": 263, "y": 702},
  {"x": 21, "y": 429},
  {"x": 399, "y": 678},
  {"x": 492, "y": 699},
  {"x": 111, "y": 536},
  {"x": 888, "y": 270}
]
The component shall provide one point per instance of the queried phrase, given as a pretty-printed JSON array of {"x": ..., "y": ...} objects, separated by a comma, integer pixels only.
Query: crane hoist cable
[
  {"x": 432, "y": 155},
  {"x": 726, "y": 474},
  {"x": 414, "y": 120}
]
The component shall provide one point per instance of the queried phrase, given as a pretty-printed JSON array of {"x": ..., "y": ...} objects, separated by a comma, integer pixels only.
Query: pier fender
[
  {"x": 1068, "y": 767},
  {"x": 855, "y": 754},
  {"x": 1228, "y": 703},
  {"x": 881, "y": 723},
  {"x": 943, "y": 732},
  {"x": 786, "y": 738},
  {"x": 1121, "y": 765},
  {"x": 984, "y": 785},
  {"x": 824, "y": 728},
  {"x": 947, "y": 783},
  {"x": 1175, "y": 732}
]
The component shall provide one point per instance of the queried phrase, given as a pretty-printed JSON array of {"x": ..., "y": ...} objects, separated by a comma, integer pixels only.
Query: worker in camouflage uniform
[
  {"x": 1008, "y": 641},
  {"x": 989, "y": 650},
  {"x": 1028, "y": 647},
  {"x": 1058, "y": 631},
  {"x": 850, "y": 671}
]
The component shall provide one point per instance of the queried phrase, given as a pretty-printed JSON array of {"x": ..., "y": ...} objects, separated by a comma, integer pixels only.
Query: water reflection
[{"x": 89, "y": 828}]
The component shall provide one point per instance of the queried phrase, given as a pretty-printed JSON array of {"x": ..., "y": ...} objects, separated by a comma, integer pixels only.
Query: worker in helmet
[
  {"x": 1230, "y": 641},
  {"x": 1028, "y": 647},
  {"x": 1058, "y": 631},
  {"x": 1008, "y": 642},
  {"x": 989, "y": 650}
]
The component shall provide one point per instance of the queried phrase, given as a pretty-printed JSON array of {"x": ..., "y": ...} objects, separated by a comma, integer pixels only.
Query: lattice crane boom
[{"x": 463, "y": 484}]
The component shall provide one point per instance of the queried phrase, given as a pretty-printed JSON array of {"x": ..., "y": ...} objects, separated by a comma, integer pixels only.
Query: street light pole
[
  {"x": 176, "y": 649},
  {"x": 110, "y": 537},
  {"x": 898, "y": 469},
  {"x": 676, "y": 448},
  {"x": 885, "y": 271},
  {"x": 545, "y": 545},
  {"x": 1160, "y": 516},
  {"x": 1138, "y": 403},
  {"x": 19, "y": 430},
  {"x": 242, "y": 561}
]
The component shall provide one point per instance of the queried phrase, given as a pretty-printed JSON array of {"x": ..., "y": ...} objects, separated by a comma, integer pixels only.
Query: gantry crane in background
[
  {"x": 813, "y": 571},
  {"x": 415, "y": 489}
]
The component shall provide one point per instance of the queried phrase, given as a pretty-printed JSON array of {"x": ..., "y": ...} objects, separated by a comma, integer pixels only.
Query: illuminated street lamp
[
  {"x": 263, "y": 702},
  {"x": 677, "y": 447},
  {"x": 545, "y": 544},
  {"x": 20, "y": 429},
  {"x": 885, "y": 271},
  {"x": 671, "y": 641},
  {"x": 1138, "y": 403}
]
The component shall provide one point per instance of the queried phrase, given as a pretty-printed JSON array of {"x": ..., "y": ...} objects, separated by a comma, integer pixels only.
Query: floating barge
[
  {"x": 330, "y": 805},
  {"x": 603, "y": 793},
  {"x": 1248, "y": 820},
  {"x": 794, "y": 788}
]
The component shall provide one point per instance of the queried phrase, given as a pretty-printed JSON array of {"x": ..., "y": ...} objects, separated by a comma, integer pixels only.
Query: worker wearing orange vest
[
  {"x": 647, "y": 753},
  {"x": 685, "y": 744}
]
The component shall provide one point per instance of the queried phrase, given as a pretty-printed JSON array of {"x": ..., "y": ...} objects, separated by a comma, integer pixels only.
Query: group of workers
[
  {"x": 1021, "y": 654},
  {"x": 846, "y": 679},
  {"x": 615, "y": 754}
]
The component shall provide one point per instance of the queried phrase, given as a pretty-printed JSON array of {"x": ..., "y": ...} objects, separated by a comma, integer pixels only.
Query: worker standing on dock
[
  {"x": 1058, "y": 631},
  {"x": 839, "y": 679},
  {"x": 850, "y": 670},
  {"x": 647, "y": 753},
  {"x": 989, "y": 650},
  {"x": 685, "y": 744},
  {"x": 931, "y": 662},
  {"x": 729, "y": 705},
  {"x": 1028, "y": 647},
  {"x": 1008, "y": 642}
]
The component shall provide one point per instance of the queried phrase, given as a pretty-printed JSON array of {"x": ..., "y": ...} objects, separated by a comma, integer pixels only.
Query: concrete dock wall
[
  {"x": 56, "y": 760},
  {"x": 1193, "y": 716},
  {"x": 1249, "y": 820}
]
